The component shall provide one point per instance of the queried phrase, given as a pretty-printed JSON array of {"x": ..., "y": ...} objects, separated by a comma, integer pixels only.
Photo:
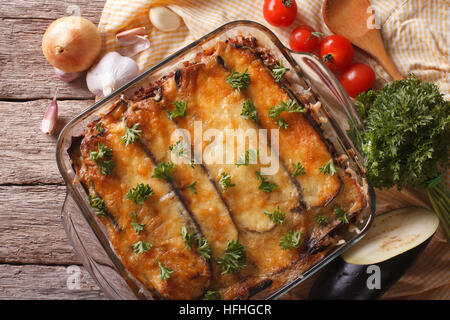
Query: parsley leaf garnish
[
  {"x": 289, "y": 106},
  {"x": 276, "y": 216},
  {"x": 203, "y": 248},
  {"x": 163, "y": 171},
  {"x": 103, "y": 158},
  {"x": 321, "y": 220},
  {"x": 239, "y": 80},
  {"x": 225, "y": 182},
  {"x": 291, "y": 240},
  {"x": 131, "y": 134},
  {"x": 340, "y": 214},
  {"x": 188, "y": 237},
  {"x": 164, "y": 273},
  {"x": 299, "y": 169},
  {"x": 192, "y": 187},
  {"x": 250, "y": 156},
  {"x": 249, "y": 110},
  {"x": 139, "y": 194},
  {"x": 99, "y": 127},
  {"x": 98, "y": 205},
  {"x": 328, "y": 168},
  {"x": 141, "y": 247},
  {"x": 102, "y": 152},
  {"x": 233, "y": 259},
  {"x": 212, "y": 295},
  {"x": 179, "y": 149},
  {"x": 138, "y": 227},
  {"x": 264, "y": 184},
  {"x": 278, "y": 71},
  {"x": 179, "y": 110}
]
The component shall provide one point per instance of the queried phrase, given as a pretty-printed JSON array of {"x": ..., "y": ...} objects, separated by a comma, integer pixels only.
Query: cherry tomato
[
  {"x": 357, "y": 78},
  {"x": 280, "y": 13},
  {"x": 336, "y": 52},
  {"x": 305, "y": 39}
]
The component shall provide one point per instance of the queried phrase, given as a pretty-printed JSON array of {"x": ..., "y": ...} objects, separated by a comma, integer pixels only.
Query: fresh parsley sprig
[
  {"x": 265, "y": 184},
  {"x": 164, "y": 272},
  {"x": 138, "y": 227},
  {"x": 188, "y": 236},
  {"x": 340, "y": 214},
  {"x": 225, "y": 182},
  {"x": 276, "y": 216},
  {"x": 203, "y": 248},
  {"x": 103, "y": 157},
  {"x": 249, "y": 157},
  {"x": 328, "y": 168},
  {"x": 163, "y": 171},
  {"x": 299, "y": 169},
  {"x": 249, "y": 111},
  {"x": 288, "y": 106},
  {"x": 212, "y": 295},
  {"x": 291, "y": 240},
  {"x": 233, "y": 259},
  {"x": 239, "y": 81},
  {"x": 131, "y": 134},
  {"x": 141, "y": 247},
  {"x": 321, "y": 220},
  {"x": 140, "y": 193},
  {"x": 98, "y": 205},
  {"x": 179, "y": 110},
  {"x": 278, "y": 71},
  {"x": 179, "y": 149},
  {"x": 192, "y": 187}
]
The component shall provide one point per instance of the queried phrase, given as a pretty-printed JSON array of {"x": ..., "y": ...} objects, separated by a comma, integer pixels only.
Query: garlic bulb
[
  {"x": 164, "y": 19},
  {"x": 111, "y": 72}
]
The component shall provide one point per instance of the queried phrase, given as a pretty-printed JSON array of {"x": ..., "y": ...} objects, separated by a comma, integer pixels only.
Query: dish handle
[{"x": 334, "y": 98}]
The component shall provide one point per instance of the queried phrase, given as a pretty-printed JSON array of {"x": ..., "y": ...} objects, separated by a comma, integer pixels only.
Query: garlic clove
[
  {"x": 111, "y": 72},
  {"x": 136, "y": 44},
  {"x": 164, "y": 19},
  {"x": 50, "y": 117},
  {"x": 66, "y": 76}
]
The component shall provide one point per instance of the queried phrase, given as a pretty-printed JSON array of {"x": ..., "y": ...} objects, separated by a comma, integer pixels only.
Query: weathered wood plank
[
  {"x": 27, "y": 155},
  {"x": 30, "y": 226},
  {"x": 51, "y": 9},
  {"x": 29, "y": 75},
  {"x": 44, "y": 282}
]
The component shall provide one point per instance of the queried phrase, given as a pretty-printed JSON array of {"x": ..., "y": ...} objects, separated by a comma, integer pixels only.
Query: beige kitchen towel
[{"x": 415, "y": 33}]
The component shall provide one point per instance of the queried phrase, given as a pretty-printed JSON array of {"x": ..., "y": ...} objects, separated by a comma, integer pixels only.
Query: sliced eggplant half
[
  {"x": 378, "y": 261},
  {"x": 392, "y": 234}
]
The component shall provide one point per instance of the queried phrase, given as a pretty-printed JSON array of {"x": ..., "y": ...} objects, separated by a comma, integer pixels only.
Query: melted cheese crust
[
  {"x": 299, "y": 142},
  {"x": 236, "y": 214},
  {"x": 162, "y": 213}
]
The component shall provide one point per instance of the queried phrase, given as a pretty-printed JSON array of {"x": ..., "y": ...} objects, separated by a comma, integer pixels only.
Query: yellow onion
[{"x": 71, "y": 44}]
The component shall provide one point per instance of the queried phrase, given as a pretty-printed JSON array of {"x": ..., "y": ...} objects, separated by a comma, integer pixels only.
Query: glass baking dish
[{"x": 310, "y": 82}]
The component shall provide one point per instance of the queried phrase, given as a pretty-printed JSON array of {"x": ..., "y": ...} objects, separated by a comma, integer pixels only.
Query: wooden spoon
[{"x": 351, "y": 19}]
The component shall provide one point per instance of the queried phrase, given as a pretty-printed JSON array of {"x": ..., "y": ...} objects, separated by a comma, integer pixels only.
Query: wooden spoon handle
[{"x": 389, "y": 65}]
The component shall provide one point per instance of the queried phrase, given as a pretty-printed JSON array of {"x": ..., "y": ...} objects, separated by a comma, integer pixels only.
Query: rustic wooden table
[{"x": 34, "y": 250}]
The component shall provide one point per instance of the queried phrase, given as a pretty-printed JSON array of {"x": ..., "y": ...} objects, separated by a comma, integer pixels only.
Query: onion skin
[
  {"x": 66, "y": 76},
  {"x": 71, "y": 44}
]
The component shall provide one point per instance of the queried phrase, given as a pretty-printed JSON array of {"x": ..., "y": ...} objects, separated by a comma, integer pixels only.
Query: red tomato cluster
[{"x": 335, "y": 51}]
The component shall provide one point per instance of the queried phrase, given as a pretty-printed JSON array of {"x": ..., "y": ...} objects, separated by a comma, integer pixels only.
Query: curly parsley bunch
[
  {"x": 407, "y": 138},
  {"x": 407, "y": 133}
]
